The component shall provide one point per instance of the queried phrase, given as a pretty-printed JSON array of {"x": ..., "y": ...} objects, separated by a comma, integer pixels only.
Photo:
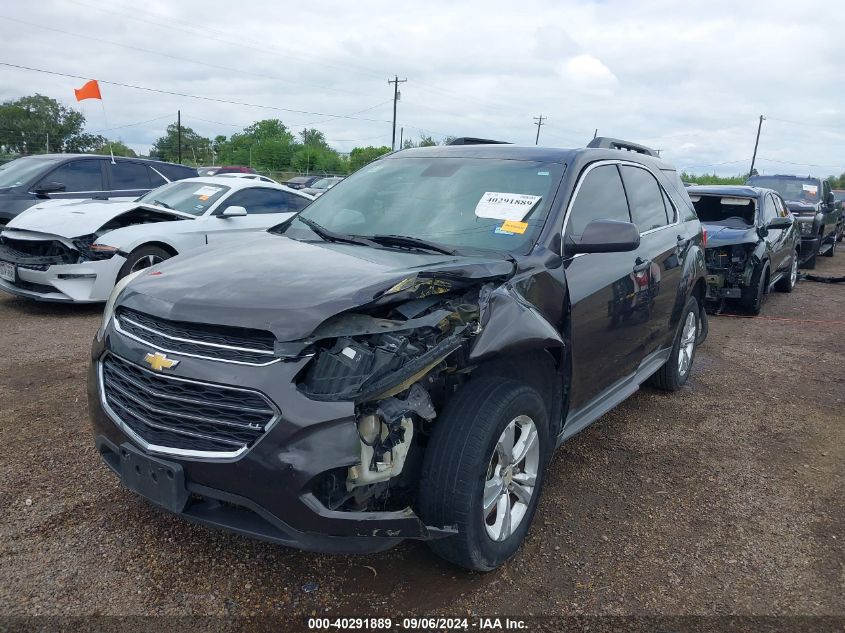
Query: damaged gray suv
[{"x": 401, "y": 359}]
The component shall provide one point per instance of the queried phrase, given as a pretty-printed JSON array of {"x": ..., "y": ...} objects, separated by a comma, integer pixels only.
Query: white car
[
  {"x": 77, "y": 252},
  {"x": 322, "y": 186},
  {"x": 248, "y": 177}
]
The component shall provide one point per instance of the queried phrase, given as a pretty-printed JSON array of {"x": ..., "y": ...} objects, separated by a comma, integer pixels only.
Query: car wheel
[
  {"x": 754, "y": 302},
  {"x": 141, "y": 258},
  {"x": 832, "y": 250},
  {"x": 674, "y": 373},
  {"x": 841, "y": 234},
  {"x": 483, "y": 471},
  {"x": 787, "y": 283}
]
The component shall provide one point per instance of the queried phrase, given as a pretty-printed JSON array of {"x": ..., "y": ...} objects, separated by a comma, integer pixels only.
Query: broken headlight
[
  {"x": 91, "y": 251},
  {"x": 807, "y": 228}
]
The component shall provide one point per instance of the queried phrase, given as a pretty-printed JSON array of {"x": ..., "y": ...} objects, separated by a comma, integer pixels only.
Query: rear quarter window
[{"x": 679, "y": 195}]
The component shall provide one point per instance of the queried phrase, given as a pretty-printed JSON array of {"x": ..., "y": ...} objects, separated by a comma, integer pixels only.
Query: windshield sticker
[
  {"x": 207, "y": 191},
  {"x": 203, "y": 198},
  {"x": 512, "y": 226},
  {"x": 505, "y": 206},
  {"x": 811, "y": 188},
  {"x": 542, "y": 173}
]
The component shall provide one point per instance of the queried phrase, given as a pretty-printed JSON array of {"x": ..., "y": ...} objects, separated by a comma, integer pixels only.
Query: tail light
[{"x": 704, "y": 237}]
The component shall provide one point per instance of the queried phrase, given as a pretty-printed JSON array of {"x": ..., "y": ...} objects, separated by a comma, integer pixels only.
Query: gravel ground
[{"x": 725, "y": 498}]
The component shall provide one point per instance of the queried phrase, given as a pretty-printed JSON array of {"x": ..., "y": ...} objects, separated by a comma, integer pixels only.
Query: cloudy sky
[{"x": 688, "y": 78}]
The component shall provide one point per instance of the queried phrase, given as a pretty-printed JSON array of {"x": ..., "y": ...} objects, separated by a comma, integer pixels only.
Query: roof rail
[
  {"x": 605, "y": 142},
  {"x": 470, "y": 140}
]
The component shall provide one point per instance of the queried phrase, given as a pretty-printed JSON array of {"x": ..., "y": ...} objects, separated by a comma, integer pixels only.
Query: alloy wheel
[
  {"x": 687, "y": 343},
  {"x": 145, "y": 262},
  {"x": 511, "y": 478}
]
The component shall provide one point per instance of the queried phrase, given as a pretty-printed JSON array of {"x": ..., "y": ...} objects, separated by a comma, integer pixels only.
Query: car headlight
[
  {"x": 115, "y": 293},
  {"x": 806, "y": 228}
]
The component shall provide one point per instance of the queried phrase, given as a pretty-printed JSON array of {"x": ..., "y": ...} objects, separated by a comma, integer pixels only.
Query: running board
[{"x": 612, "y": 396}]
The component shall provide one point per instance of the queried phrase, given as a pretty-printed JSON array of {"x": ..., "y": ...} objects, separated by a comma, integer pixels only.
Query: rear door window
[
  {"x": 600, "y": 196},
  {"x": 645, "y": 198},
  {"x": 79, "y": 176},
  {"x": 260, "y": 200},
  {"x": 126, "y": 176},
  {"x": 294, "y": 202}
]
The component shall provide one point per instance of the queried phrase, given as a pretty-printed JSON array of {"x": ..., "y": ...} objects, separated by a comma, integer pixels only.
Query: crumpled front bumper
[
  {"x": 87, "y": 282},
  {"x": 267, "y": 491}
]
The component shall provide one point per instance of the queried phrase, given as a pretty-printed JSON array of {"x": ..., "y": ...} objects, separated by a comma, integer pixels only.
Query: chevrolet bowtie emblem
[{"x": 159, "y": 361}]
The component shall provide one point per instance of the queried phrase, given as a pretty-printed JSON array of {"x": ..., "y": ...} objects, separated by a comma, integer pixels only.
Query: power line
[{"x": 192, "y": 96}]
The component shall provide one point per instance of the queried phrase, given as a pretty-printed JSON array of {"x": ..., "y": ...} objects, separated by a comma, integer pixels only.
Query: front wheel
[
  {"x": 483, "y": 471},
  {"x": 674, "y": 373},
  {"x": 141, "y": 258},
  {"x": 753, "y": 301},
  {"x": 832, "y": 250}
]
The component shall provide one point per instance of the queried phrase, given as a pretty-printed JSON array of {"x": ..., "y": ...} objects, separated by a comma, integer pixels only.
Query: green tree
[
  {"x": 37, "y": 124},
  {"x": 713, "y": 179},
  {"x": 118, "y": 148},
  {"x": 167, "y": 146},
  {"x": 360, "y": 156},
  {"x": 268, "y": 144},
  {"x": 426, "y": 141}
]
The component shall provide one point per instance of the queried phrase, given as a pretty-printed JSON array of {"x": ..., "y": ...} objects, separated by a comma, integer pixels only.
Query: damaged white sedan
[{"x": 77, "y": 252}]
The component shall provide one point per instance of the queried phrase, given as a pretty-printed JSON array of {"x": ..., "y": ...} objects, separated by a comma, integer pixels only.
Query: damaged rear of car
[
  {"x": 397, "y": 360},
  {"x": 753, "y": 243}
]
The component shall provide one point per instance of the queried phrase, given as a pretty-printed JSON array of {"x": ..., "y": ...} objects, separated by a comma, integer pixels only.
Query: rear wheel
[
  {"x": 141, "y": 258},
  {"x": 483, "y": 471},
  {"x": 787, "y": 283},
  {"x": 674, "y": 373}
]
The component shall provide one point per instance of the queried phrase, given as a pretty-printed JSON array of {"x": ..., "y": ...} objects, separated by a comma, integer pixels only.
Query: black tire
[
  {"x": 787, "y": 284},
  {"x": 753, "y": 300},
  {"x": 811, "y": 261},
  {"x": 832, "y": 250},
  {"x": 457, "y": 463},
  {"x": 142, "y": 257},
  {"x": 670, "y": 377}
]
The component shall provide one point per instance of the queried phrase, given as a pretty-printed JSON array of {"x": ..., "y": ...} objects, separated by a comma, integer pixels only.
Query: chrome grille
[
  {"x": 228, "y": 344},
  {"x": 178, "y": 416}
]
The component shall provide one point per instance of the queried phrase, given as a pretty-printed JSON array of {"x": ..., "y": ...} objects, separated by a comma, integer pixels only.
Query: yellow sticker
[
  {"x": 512, "y": 226},
  {"x": 203, "y": 198}
]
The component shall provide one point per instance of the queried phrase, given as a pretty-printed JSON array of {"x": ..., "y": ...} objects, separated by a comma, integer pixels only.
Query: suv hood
[
  {"x": 77, "y": 218},
  {"x": 271, "y": 282},
  {"x": 801, "y": 207},
  {"x": 718, "y": 235}
]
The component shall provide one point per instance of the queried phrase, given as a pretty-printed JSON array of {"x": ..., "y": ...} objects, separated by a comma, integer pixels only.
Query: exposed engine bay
[
  {"x": 397, "y": 362},
  {"x": 729, "y": 269}
]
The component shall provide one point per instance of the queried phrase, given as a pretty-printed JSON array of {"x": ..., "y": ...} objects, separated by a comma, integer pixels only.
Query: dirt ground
[{"x": 725, "y": 498}]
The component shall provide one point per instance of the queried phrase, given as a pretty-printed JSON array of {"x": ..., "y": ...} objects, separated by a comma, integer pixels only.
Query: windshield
[
  {"x": 446, "y": 201},
  {"x": 188, "y": 197},
  {"x": 323, "y": 183},
  {"x": 727, "y": 211},
  {"x": 22, "y": 170},
  {"x": 792, "y": 189}
]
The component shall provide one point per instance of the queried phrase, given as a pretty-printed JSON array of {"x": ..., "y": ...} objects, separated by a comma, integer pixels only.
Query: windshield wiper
[
  {"x": 412, "y": 242},
  {"x": 331, "y": 236},
  {"x": 163, "y": 204}
]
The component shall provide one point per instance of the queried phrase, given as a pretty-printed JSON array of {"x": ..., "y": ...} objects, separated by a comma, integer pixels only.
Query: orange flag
[{"x": 91, "y": 90}]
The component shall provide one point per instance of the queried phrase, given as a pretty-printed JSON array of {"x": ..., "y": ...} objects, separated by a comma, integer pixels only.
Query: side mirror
[
  {"x": 233, "y": 212},
  {"x": 606, "y": 236},
  {"x": 44, "y": 188},
  {"x": 780, "y": 223},
  {"x": 829, "y": 198}
]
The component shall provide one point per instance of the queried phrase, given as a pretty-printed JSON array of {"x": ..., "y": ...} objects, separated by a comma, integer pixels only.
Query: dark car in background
[
  {"x": 812, "y": 202},
  {"x": 401, "y": 358},
  {"x": 753, "y": 243},
  {"x": 839, "y": 200},
  {"x": 29, "y": 180},
  {"x": 301, "y": 182},
  {"x": 224, "y": 169}
]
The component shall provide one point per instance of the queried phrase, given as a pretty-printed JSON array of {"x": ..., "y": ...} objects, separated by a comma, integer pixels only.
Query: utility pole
[
  {"x": 48, "y": 142},
  {"x": 396, "y": 94},
  {"x": 179, "y": 135},
  {"x": 401, "y": 135},
  {"x": 539, "y": 123},
  {"x": 756, "y": 143},
  {"x": 596, "y": 133}
]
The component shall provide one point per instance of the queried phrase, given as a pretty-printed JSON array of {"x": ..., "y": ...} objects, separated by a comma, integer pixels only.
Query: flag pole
[{"x": 106, "y": 120}]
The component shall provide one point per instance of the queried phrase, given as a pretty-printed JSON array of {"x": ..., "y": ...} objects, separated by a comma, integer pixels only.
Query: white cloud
[{"x": 690, "y": 79}]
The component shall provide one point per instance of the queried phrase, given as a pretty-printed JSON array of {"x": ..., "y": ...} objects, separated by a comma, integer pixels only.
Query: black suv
[
  {"x": 401, "y": 359},
  {"x": 27, "y": 181},
  {"x": 753, "y": 243},
  {"x": 812, "y": 202}
]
